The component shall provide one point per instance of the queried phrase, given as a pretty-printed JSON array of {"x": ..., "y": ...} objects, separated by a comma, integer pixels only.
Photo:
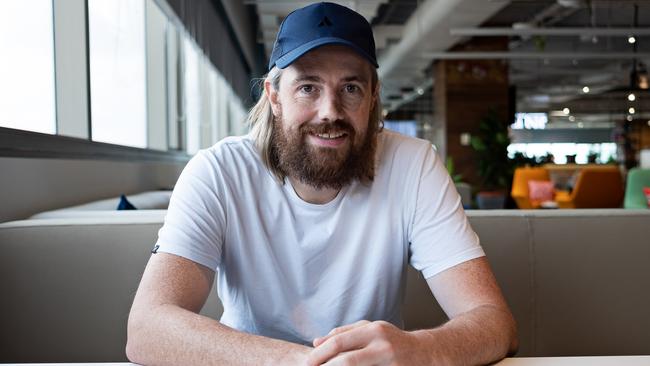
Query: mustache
[{"x": 327, "y": 127}]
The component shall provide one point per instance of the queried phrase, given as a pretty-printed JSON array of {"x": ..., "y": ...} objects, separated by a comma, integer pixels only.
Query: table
[
  {"x": 515, "y": 361},
  {"x": 577, "y": 361}
]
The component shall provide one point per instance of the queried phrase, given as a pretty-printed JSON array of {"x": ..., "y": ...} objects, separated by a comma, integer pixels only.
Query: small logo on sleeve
[{"x": 155, "y": 249}]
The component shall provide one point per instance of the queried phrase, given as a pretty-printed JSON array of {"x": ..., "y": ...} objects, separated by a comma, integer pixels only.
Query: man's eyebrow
[
  {"x": 316, "y": 79},
  {"x": 311, "y": 78},
  {"x": 358, "y": 78}
]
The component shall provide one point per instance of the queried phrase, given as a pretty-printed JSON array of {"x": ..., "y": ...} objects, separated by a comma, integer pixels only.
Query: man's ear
[{"x": 272, "y": 95}]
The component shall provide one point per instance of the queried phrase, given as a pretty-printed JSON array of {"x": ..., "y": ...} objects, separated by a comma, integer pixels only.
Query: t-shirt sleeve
[
  {"x": 195, "y": 220},
  {"x": 440, "y": 236}
]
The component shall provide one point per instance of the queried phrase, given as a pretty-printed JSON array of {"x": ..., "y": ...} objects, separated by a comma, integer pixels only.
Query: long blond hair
[{"x": 260, "y": 119}]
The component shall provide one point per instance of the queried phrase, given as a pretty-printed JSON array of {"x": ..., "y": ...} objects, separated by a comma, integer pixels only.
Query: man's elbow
[
  {"x": 514, "y": 346},
  {"x": 132, "y": 351},
  {"x": 513, "y": 337},
  {"x": 135, "y": 347}
]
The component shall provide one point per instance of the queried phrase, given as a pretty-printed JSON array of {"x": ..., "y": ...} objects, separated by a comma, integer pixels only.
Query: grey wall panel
[
  {"x": 593, "y": 285},
  {"x": 71, "y": 289},
  {"x": 61, "y": 293},
  {"x": 420, "y": 310},
  {"x": 508, "y": 248}
]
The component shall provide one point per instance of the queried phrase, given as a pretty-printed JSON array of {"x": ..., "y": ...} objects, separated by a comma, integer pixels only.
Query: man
[{"x": 309, "y": 223}]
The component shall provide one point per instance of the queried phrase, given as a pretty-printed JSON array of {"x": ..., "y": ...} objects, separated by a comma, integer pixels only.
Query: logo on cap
[{"x": 326, "y": 22}]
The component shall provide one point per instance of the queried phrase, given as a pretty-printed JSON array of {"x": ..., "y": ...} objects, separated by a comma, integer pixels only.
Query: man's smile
[{"x": 332, "y": 139}]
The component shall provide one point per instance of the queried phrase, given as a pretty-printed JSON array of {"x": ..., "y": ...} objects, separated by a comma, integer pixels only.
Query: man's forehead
[{"x": 332, "y": 61}]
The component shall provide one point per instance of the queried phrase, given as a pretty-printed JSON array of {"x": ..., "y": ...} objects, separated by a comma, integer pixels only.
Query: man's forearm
[
  {"x": 170, "y": 335},
  {"x": 483, "y": 335}
]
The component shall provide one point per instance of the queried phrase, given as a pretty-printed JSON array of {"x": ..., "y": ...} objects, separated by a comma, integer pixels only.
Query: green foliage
[
  {"x": 522, "y": 160},
  {"x": 456, "y": 178},
  {"x": 491, "y": 144},
  {"x": 540, "y": 43}
]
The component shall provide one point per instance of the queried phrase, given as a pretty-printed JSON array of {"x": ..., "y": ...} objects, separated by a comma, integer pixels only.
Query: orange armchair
[
  {"x": 600, "y": 187},
  {"x": 519, "y": 191}
]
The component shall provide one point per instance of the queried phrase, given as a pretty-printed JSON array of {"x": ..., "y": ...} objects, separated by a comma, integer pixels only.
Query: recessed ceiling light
[
  {"x": 631, "y": 97},
  {"x": 629, "y": 118},
  {"x": 648, "y": 123},
  {"x": 631, "y": 110},
  {"x": 572, "y": 118},
  {"x": 585, "y": 89},
  {"x": 420, "y": 91},
  {"x": 580, "y": 125},
  {"x": 631, "y": 39},
  {"x": 566, "y": 111}
]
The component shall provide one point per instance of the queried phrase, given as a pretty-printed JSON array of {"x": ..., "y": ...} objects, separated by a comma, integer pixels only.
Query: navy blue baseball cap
[{"x": 321, "y": 24}]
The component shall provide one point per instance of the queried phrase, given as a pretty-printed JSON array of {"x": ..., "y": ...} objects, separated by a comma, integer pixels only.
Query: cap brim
[{"x": 291, "y": 56}]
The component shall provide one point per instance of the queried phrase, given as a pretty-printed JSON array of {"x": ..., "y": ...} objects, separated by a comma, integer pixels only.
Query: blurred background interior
[{"x": 138, "y": 86}]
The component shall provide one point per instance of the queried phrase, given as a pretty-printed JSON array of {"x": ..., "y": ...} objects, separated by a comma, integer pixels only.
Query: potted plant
[
  {"x": 494, "y": 167},
  {"x": 464, "y": 189}
]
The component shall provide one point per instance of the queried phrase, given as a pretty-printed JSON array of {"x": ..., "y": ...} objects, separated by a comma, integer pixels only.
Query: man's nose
[{"x": 330, "y": 108}]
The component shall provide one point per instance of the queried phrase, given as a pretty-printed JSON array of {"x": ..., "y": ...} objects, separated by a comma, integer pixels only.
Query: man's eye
[
  {"x": 351, "y": 88},
  {"x": 307, "y": 89}
]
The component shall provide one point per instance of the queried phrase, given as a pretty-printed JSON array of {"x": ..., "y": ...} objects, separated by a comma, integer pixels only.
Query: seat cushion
[{"x": 540, "y": 190}]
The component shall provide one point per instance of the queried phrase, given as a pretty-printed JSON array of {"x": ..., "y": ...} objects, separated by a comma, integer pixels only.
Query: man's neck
[{"x": 312, "y": 195}]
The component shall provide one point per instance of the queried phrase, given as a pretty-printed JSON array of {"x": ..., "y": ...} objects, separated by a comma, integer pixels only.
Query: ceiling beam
[
  {"x": 532, "y": 55},
  {"x": 568, "y": 31}
]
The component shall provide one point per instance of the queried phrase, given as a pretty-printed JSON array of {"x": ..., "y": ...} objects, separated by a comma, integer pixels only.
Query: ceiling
[{"x": 550, "y": 76}]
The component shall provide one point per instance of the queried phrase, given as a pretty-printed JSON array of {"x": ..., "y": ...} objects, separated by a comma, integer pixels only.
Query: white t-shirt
[{"x": 293, "y": 270}]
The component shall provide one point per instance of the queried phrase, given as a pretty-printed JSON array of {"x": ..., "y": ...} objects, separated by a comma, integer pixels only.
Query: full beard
[{"x": 323, "y": 167}]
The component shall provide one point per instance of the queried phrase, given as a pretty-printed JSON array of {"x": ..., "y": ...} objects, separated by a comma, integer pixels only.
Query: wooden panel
[{"x": 465, "y": 91}]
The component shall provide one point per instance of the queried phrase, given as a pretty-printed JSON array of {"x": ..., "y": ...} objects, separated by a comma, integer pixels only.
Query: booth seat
[{"x": 577, "y": 282}]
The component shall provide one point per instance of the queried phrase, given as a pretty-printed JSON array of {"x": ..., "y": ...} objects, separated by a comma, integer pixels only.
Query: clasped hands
[{"x": 364, "y": 343}]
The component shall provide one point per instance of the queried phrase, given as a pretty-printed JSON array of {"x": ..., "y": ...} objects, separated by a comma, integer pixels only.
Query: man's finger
[
  {"x": 360, "y": 357},
  {"x": 338, "y": 330},
  {"x": 353, "y": 339}
]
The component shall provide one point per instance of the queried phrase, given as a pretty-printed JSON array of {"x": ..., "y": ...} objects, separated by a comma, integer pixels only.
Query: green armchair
[{"x": 636, "y": 179}]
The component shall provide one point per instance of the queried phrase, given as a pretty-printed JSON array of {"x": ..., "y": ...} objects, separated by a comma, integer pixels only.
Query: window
[
  {"x": 122, "y": 72},
  {"x": 157, "y": 94},
  {"x": 213, "y": 103},
  {"x": 530, "y": 121},
  {"x": 408, "y": 128},
  {"x": 192, "y": 90},
  {"x": 603, "y": 152},
  {"x": 27, "y": 66},
  {"x": 223, "y": 118},
  {"x": 117, "y": 72},
  {"x": 175, "y": 108}
]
